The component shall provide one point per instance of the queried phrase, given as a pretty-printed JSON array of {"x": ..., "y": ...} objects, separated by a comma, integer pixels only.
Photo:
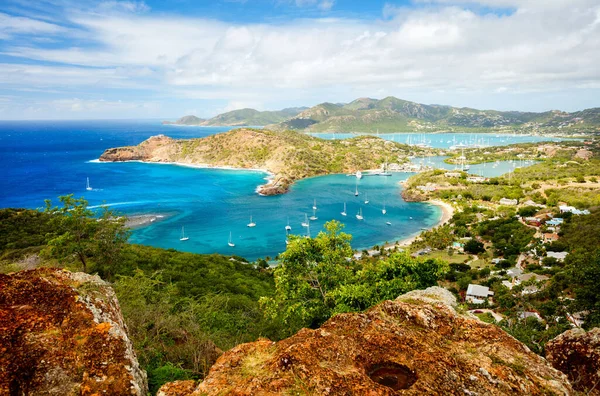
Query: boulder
[
  {"x": 577, "y": 354},
  {"x": 416, "y": 345},
  {"x": 62, "y": 333}
]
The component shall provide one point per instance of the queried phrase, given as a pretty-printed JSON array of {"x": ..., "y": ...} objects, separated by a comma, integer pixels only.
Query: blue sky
[{"x": 67, "y": 59}]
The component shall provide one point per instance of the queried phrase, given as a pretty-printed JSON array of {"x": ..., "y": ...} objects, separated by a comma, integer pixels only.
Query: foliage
[
  {"x": 508, "y": 236},
  {"x": 316, "y": 279},
  {"x": 473, "y": 246}
]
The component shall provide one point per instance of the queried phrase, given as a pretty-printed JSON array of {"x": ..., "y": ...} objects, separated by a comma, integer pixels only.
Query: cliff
[
  {"x": 577, "y": 354},
  {"x": 288, "y": 156},
  {"x": 417, "y": 344},
  {"x": 62, "y": 333}
]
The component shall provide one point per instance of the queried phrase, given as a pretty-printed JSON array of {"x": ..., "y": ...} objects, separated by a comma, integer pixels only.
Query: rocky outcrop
[
  {"x": 417, "y": 344},
  {"x": 155, "y": 149},
  {"x": 577, "y": 354},
  {"x": 62, "y": 333}
]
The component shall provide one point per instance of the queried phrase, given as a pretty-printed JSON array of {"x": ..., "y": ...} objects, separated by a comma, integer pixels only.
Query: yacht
[
  {"x": 314, "y": 216},
  {"x": 356, "y": 191},
  {"x": 358, "y": 174},
  {"x": 383, "y": 211},
  {"x": 305, "y": 222},
  {"x": 344, "y": 212},
  {"x": 230, "y": 241},
  {"x": 315, "y": 205},
  {"x": 183, "y": 237},
  {"x": 366, "y": 198},
  {"x": 359, "y": 215},
  {"x": 288, "y": 227},
  {"x": 87, "y": 186},
  {"x": 251, "y": 224}
]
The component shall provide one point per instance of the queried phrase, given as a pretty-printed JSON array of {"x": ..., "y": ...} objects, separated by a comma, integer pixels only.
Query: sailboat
[
  {"x": 315, "y": 205},
  {"x": 183, "y": 237},
  {"x": 344, "y": 212},
  {"x": 383, "y": 210},
  {"x": 359, "y": 215},
  {"x": 366, "y": 198},
  {"x": 305, "y": 222},
  {"x": 230, "y": 242},
  {"x": 314, "y": 216},
  {"x": 288, "y": 227},
  {"x": 356, "y": 192},
  {"x": 388, "y": 223},
  {"x": 251, "y": 224},
  {"x": 358, "y": 174},
  {"x": 87, "y": 186}
]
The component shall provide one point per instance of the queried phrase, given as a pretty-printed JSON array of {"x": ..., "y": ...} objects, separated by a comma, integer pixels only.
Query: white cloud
[
  {"x": 440, "y": 48},
  {"x": 10, "y": 25}
]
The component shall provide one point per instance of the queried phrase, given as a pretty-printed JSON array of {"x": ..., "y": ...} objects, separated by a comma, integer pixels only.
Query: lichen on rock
[
  {"x": 62, "y": 333},
  {"x": 577, "y": 354},
  {"x": 414, "y": 345}
]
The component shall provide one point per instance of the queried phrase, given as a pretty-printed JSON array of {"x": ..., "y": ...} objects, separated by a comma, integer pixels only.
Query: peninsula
[{"x": 288, "y": 156}]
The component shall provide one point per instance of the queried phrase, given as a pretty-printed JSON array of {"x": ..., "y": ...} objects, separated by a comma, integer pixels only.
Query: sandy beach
[{"x": 447, "y": 213}]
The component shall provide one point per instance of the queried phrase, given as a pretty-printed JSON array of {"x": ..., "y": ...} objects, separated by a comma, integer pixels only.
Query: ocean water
[
  {"x": 446, "y": 140},
  {"x": 44, "y": 159}
]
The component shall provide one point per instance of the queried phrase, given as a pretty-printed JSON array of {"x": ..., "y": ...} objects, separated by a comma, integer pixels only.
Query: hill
[
  {"x": 395, "y": 115},
  {"x": 186, "y": 120},
  {"x": 241, "y": 117},
  {"x": 288, "y": 155}
]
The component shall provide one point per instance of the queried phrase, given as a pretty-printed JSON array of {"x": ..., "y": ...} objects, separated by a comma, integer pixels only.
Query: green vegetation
[
  {"x": 395, "y": 115},
  {"x": 315, "y": 279}
]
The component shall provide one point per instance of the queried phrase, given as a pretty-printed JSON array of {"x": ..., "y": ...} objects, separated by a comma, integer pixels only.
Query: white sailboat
[
  {"x": 358, "y": 174},
  {"x": 315, "y": 205},
  {"x": 183, "y": 237},
  {"x": 288, "y": 227},
  {"x": 366, "y": 198},
  {"x": 314, "y": 216},
  {"x": 344, "y": 212},
  {"x": 87, "y": 186},
  {"x": 305, "y": 222},
  {"x": 359, "y": 215},
  {"x": 388, "y": 223},
  {"x": 251, "y": 224},
  {"x": 383, "y": 211},
  {"x": 356, "y": 191},
  {"x": 230, "y": 241}
]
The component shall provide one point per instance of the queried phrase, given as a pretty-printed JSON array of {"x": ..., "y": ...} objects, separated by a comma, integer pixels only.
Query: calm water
[
  {"x": 488, "y": 169},
  {"x": 446, "y": 140},
  {"x": 46, "y": 159}
]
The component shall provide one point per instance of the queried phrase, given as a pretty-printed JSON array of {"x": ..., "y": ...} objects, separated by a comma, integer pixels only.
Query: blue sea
[{"x": 45, "y": 159}]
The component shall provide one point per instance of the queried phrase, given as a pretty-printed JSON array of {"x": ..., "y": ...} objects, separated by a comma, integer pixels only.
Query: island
[{"x": 287, "y": 156}]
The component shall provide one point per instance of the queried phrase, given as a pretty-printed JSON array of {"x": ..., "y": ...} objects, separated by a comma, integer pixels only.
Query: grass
[
  {"x": 486, "y": 317},
  {"x": 456, "y": 258}
]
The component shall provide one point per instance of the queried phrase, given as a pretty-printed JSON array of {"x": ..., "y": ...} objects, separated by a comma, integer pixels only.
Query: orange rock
[{"x": 420, "y": 346}]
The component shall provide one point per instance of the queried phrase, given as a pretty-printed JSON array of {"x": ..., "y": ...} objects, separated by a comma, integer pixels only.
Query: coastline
[{"x": 447, "y": 213}]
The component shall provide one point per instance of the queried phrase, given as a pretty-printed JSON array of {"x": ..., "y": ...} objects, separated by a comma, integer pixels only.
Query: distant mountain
[
  {"x": 186, "y": 120},
  {"x": 242, "y": 117},
  {"x": 396, "y": 115}
]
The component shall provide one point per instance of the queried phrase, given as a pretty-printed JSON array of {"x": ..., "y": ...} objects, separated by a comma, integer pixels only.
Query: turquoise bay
[{"x": 42, "y": 160}]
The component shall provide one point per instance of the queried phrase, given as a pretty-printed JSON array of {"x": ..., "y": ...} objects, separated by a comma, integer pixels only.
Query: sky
[{"x": 83, "y": 59}]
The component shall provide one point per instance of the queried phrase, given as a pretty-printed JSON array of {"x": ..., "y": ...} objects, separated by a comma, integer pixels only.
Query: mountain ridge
[{"x": 390, "y": 114}]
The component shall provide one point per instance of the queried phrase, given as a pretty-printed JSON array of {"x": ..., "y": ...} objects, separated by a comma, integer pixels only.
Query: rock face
[
  {"x": 415, "y": 345},
  {"x": 62, "y": 333},
  {"x": 577, "y": 354}
]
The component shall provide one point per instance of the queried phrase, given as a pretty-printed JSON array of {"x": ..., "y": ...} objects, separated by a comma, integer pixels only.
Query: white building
[
  {"x": 506, "y": 201},
  {"x": 478, "y": 294},
  {"x": 560, "y": 256},
  {"x": 572, "y": 209}
]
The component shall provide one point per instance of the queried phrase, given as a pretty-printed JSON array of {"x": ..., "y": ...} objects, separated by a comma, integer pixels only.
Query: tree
[
  {"x": 310, "y": 269},
  {"x": 80, "y": 235},
  {"x": 473, "y": 246}
]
